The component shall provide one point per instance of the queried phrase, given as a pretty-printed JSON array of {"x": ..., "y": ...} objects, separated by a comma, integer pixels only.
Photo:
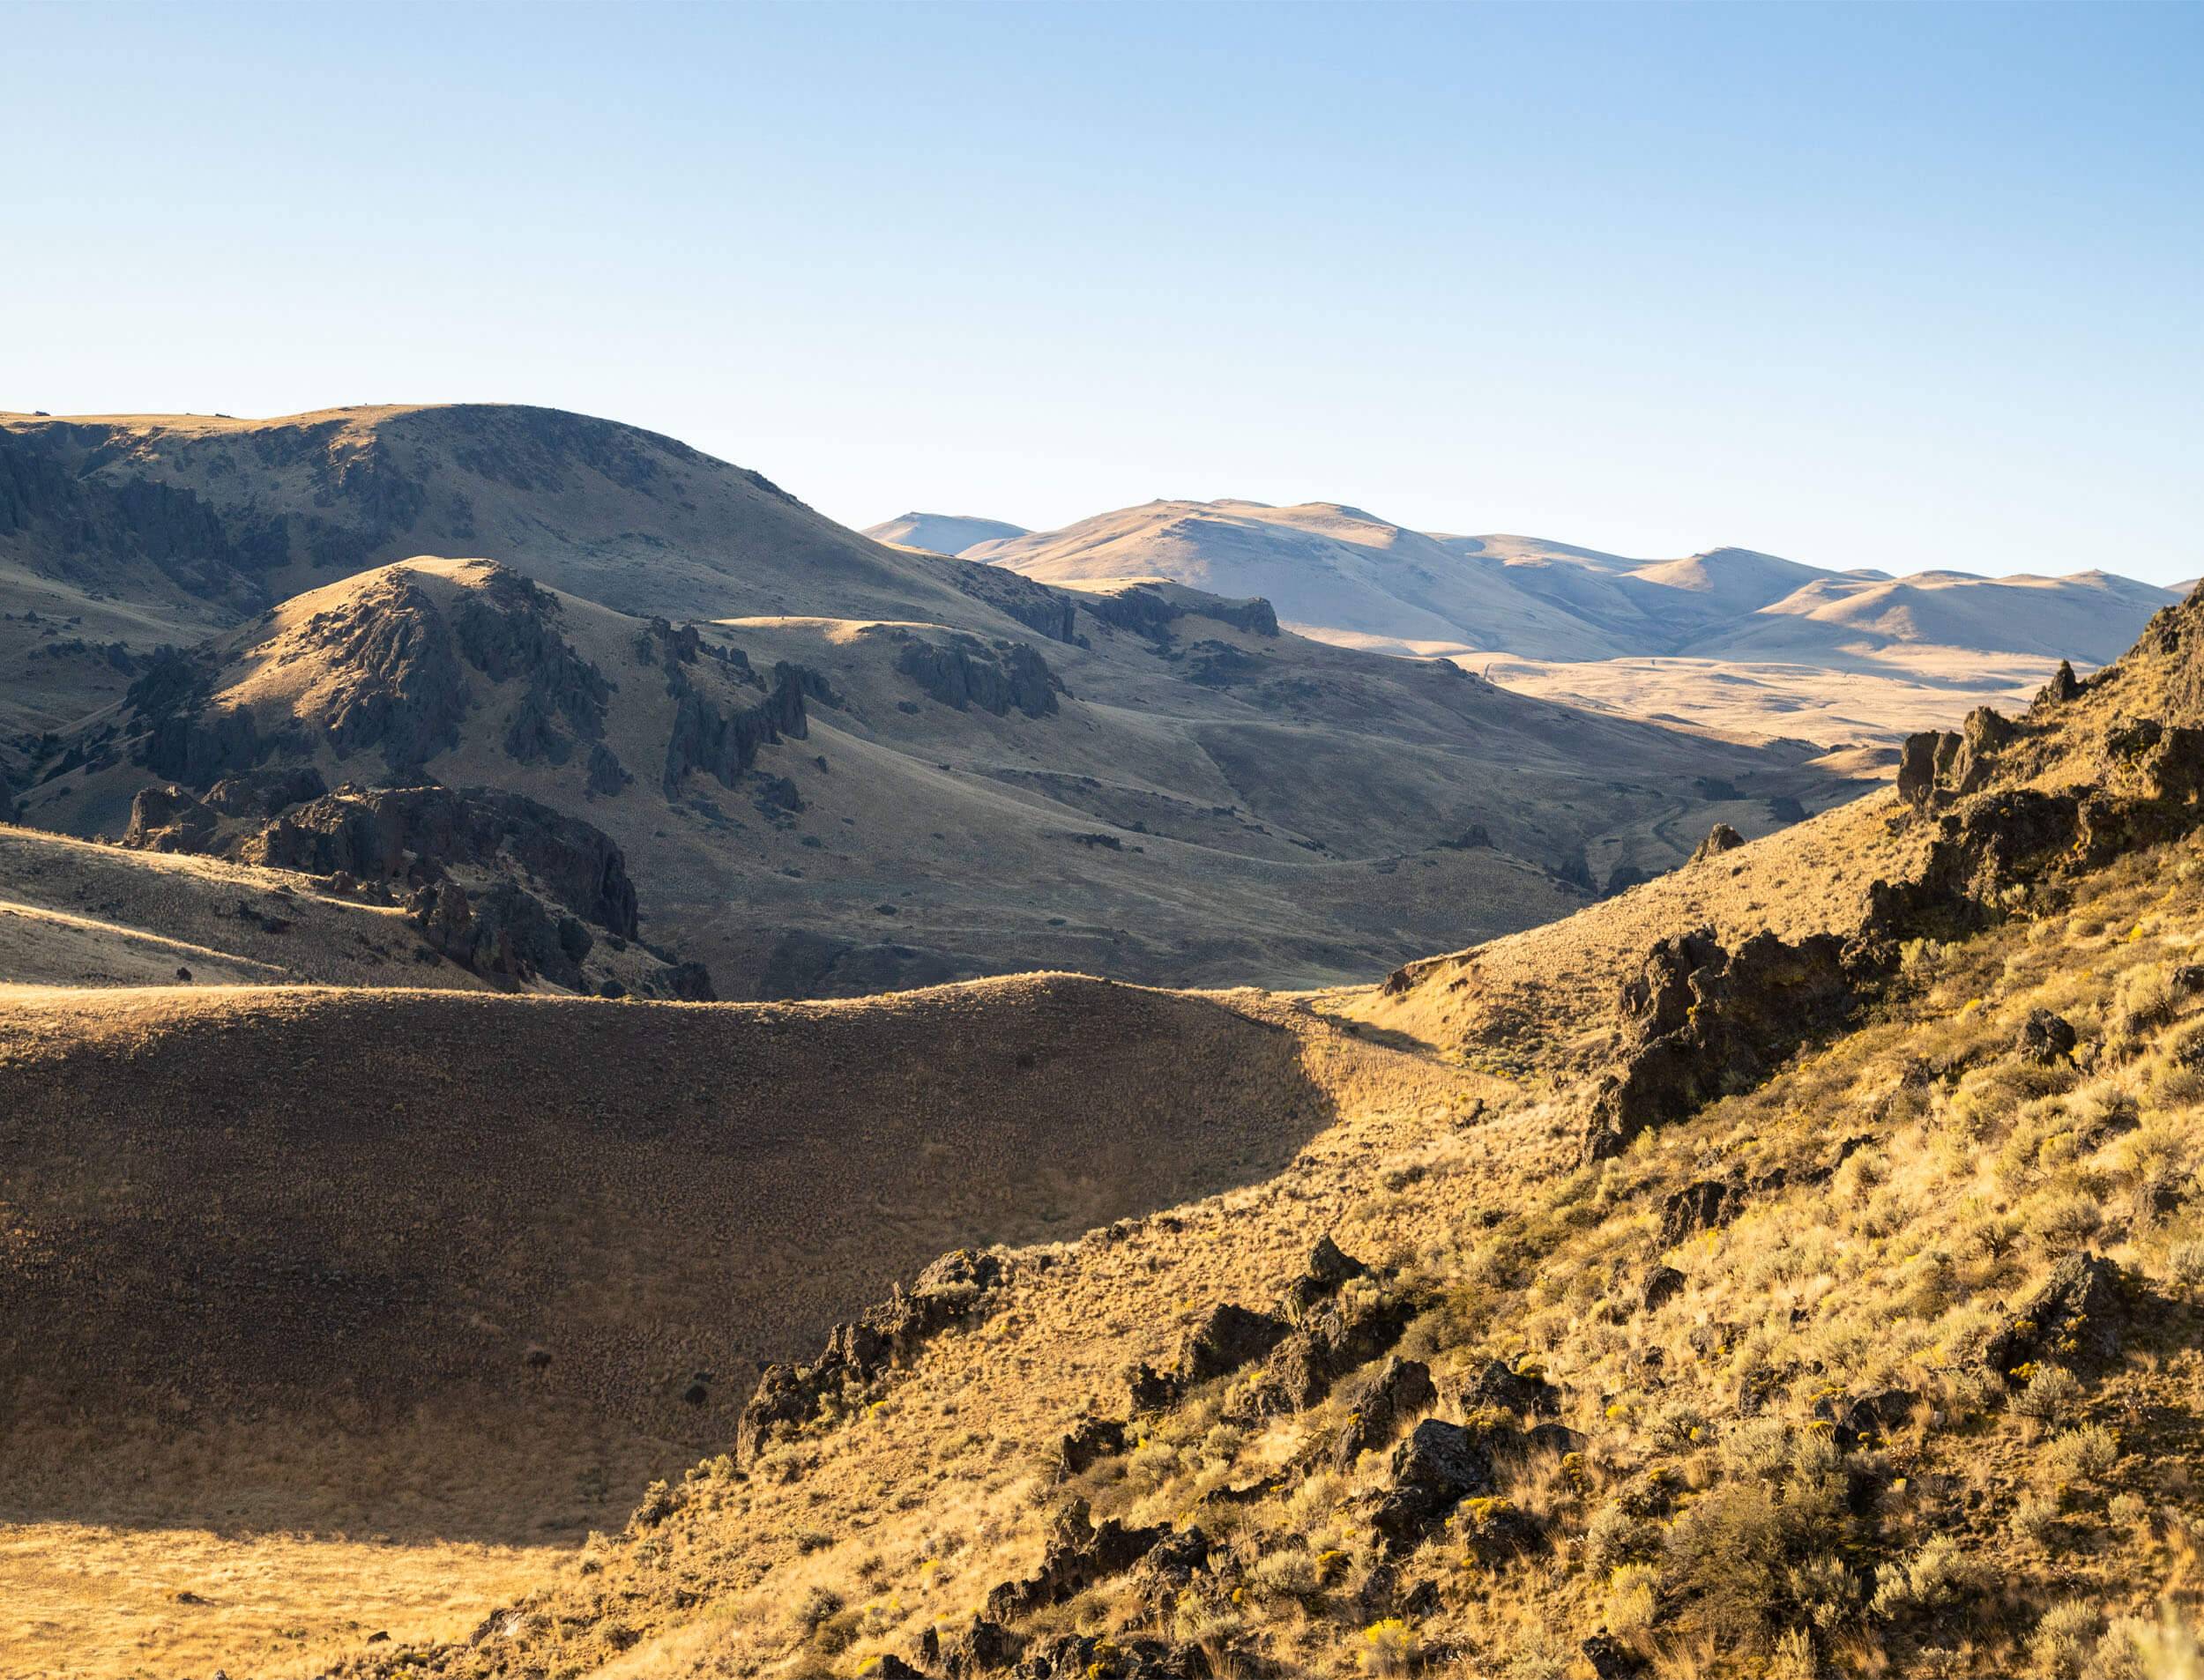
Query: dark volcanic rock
[
  {"x": 1662, "y": 1284},
  {"x": 860, "y": 1352},
  {"x": 168, "y": 819},
  {"x": 1524, "y": 1394},
  {"x": 1708, "y": 1205},
  {"x": 386, "y": 833},
  {"x": 1433, "y": 1471},
  {"x": 1329, "y": 1266},
  {"x": 1087, "y": 1443},
  {"x": 724, "y": 742},
  {"x": 2045, "y": 1038},
  {"x": 1383, "y": 1400},
  {"x": 964, "y": 672},
  {"x": 265, "y": 793},
  {"x": 1705, "y": 1022},
  {"x": 1080, "y": 1554},
  {"x": 1230, "y": 1337},
  {"x": 1720, "y": 839},
  {"x": 2075, "y": 1318}
]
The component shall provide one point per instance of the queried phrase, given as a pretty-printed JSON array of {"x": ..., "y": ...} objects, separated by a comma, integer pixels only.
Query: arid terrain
[
  {"x": 830, "y": 767},
  {"x": 1746, "y": 644},
  {"x": 1762, "y": 1239}
]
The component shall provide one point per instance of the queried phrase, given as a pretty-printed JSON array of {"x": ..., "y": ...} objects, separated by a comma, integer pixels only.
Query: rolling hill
[
  {"x": 829, "y": 766},
  {"x": 1787, "y": 1264},
  {"x": 1731, "y": 639}
]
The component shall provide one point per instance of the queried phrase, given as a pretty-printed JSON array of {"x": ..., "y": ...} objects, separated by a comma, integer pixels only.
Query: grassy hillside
[
  {"x": 1871, "y": 1350},
  {"x": 829, "y": 806}
]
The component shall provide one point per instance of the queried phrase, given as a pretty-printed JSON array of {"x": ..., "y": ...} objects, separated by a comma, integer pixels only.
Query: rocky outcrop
[
  {"x": 2074, "y": 1317},
  {"x": 1383, "y": 1400},
  {"x": 503, "y": 930},
  {"x": 1081, "y": 1554},
  {"x": 415, "y": 833},
  {"x": 1702, "y": 1022},
  {"x": 398, "y": 682},
  {"x": 1433, "y": 1471},
  {"x": 2063, "y": 687},
  {"x": 859, "y": 1353},
  {"x": 964, "y": 671},
  {"x": 1051, "y": 613},
  {"x": 1087, "y": 1444},
  {"x": 1942, "y": 765},
  {"x": 1720, "y": 839},
  {"x": 507, "y": 627},
  {"x": 1341, "y": 1336},
  {"x": 1149, "y": 610},
  {"x": 1708, "y": 1205},
  {"x": 265, "y": 792},
  {"x": 168, "y": 818},
  {"x": 724, "y": 742},
  {"x": 1230, "y": 1337}
]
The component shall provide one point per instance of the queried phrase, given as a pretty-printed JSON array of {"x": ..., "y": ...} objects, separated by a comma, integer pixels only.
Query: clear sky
[{"x": 1894, "y": 286}]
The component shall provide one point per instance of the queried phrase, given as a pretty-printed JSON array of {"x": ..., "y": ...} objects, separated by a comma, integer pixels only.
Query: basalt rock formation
[
  {"x": 1703, "y": 1021},
  {"x": 861, "y": 1352},
  {"x": 964, "y": 671},
  {"x": 416, "y": 833}
]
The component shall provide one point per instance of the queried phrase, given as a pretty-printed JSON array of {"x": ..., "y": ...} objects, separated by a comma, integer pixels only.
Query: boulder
[
  {"x": 1706, "y": 1205},
  {"x": 1383, "y": 1400},
  {"x": 1720, "y": 839},
  {"x": 2075, "y": 1317},
  {"x": 1525, "y": 1393},
  {"x": 1433, "y": 1471},
  {"x": 1662, "y": 1284},
  {"x": 1329, "y": 1266},
  {"x": 2045, "y": 1038}
]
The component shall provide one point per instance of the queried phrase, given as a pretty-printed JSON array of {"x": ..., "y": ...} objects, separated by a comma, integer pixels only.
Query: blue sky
[{"x": 1893, "y": 286}]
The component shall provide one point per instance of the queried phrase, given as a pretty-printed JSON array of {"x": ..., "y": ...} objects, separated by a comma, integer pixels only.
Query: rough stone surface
[{"x": 1704, "y": 1022}]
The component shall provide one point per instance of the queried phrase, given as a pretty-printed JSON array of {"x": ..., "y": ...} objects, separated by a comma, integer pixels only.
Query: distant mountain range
[{"x": 1342, "y": 574}]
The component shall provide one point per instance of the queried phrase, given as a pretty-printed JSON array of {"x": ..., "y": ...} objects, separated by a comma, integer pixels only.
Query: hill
[
  {"x": 1817, "y": 1293},
  {"x": 401, "y": 1288},
  {"x": 1729, "y": 639},
  {"x": 961, "y": 772},
  {"x": 941, "y": 533},
  {"x": 1786, "y": 1264}
]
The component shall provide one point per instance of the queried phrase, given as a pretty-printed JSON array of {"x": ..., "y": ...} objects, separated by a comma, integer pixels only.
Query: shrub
[
  {"x": 814, "y": 1609},
  {"x": 2036, "y": 1519},
  {"x": 1290, "y": 1573},
  {"x": 2066, "y": 1222},
  {"x": 1614, "y": 1537},
  {"x": 2185, "y": 1265},
  {"x": 1794, "y": 1658},
  {"x": 2063, "y": 1641},
  {"x": 2084, "y": 1454},
  {"x": 2052, "y": 1394},
  {"x": 1633, "y": 1597},
  {"x": 1937, "y": 1576},
  {"x": 1389, "y": 1647}
]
